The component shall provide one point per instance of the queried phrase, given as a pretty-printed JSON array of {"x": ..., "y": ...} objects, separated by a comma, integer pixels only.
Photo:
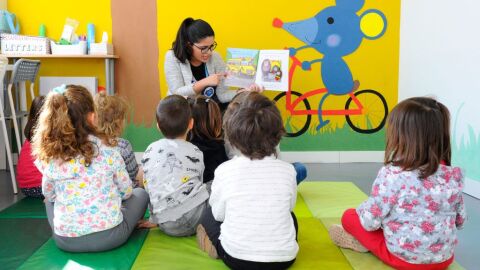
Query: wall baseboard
[{"x": 323, "y": 156}]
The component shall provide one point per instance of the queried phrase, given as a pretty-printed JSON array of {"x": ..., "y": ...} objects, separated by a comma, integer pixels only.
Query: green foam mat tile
[
  {"x": 49, "y": 256},
  {"x": 20, "y": 238},
  {"x": 25, "y": 208}
]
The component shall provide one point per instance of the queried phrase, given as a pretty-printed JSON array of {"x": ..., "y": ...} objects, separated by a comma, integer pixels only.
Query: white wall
[{"x": 440, "y": 57}]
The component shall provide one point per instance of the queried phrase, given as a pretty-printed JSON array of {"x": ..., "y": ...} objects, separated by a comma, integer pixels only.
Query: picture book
[{"x": 268, "y": 68}]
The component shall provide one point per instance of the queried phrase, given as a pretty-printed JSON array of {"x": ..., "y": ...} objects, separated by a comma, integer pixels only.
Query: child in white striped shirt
[{"x": 250, "y": 222}]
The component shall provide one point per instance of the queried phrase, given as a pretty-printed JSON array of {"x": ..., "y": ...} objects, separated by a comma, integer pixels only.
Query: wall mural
[
  {"x": 335, "y": 32},
  {"x": 343, "y": 69}
]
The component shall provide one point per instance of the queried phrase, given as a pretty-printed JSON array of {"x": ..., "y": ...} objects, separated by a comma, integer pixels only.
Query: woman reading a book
[{"x": 192, "y": 67}]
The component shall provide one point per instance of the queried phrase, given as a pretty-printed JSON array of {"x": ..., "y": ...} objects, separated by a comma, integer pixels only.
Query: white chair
[
  {"x": 23, "y": 70},
  {"x": 3, "y": 69}
]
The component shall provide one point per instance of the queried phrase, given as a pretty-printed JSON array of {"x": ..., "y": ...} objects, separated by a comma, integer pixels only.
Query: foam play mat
[{"x": 26, "y": 242}]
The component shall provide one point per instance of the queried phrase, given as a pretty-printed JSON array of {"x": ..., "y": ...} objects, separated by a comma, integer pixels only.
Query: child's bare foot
[
  {"x": 204, "y": 242},
  {"x": 145, "y": 224},
  {"x": 343, "y": 239}
]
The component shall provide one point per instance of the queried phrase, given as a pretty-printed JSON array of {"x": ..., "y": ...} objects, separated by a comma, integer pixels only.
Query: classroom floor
[{"x": 362, "y": 174}]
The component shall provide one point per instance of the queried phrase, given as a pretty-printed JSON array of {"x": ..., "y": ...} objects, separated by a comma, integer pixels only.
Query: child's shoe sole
[
  {"x": 343, "y": 239},
  {"x": 204, "y": 242}
]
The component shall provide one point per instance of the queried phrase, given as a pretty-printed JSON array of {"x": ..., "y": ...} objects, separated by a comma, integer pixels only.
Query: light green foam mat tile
[
  {"x": 316, "y": 249},
  {"x": 327, "y": 201},
  {"x": 330, "y": 199},
  {"x": 161, "y": 251},
  {"x": 301, "y": 209},
  {"x": 25, "y": 208},
  {"x": 165, "y": 252},
  {"x": 49, "y": 256}
]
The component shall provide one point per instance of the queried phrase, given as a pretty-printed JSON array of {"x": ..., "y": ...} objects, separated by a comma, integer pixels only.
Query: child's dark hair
[
  {"x": 173, "y": 116},
  {"x": 253, "y": 125},
  {"x": 190, "y": 31},
  {"x": 35, "y": 109},
  {"x": 418, "y": 135},
  {"x": 207, "y": 118},
  {"x": 63, "y": 126}
]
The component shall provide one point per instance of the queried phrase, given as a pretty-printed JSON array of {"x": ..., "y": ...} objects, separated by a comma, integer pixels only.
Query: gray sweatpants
[
  {"x": 133, "y": 210},
  {"x": 187, "y": 224}
]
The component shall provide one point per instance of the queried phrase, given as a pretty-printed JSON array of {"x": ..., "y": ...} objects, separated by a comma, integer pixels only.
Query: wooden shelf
[{"x": 59, "y": 56}]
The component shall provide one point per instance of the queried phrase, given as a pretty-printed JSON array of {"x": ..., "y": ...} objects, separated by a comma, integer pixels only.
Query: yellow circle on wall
[{"x": 372, "y": 24}]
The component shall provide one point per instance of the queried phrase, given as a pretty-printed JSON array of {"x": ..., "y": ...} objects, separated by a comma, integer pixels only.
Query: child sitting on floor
[
  {"x": 28, "y": 177},
  {"x": 411, "y": 218},
  {"x": 173, "y": 170},
  {"x": 84, "y": 180},
  {"x": 111, "y": 116},
  {"x": 250, "y": 224},
  {"x": 206, "y": 134}
]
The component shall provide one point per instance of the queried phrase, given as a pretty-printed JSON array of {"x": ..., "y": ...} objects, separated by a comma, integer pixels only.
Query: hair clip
[
  {"x": 207, "y": 100},
  {"x": 60, "y": 89}
]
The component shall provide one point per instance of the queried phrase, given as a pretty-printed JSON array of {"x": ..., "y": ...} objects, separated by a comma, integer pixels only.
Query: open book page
[
  {"x": 241, "y": 66},
  {"x": 273, "y": 70}
]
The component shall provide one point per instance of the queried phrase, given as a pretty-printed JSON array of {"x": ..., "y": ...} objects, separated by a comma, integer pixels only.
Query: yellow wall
[
  {"x": 53, "y": 13},
  {"x": 248, "y": 24}
]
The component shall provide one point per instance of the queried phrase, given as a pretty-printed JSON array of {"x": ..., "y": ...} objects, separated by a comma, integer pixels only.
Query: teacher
[{"x": 192, "y": 67}]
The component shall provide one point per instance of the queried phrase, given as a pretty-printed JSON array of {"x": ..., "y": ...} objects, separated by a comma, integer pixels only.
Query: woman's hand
[
  {"x": 215, "y": 79},
  {"x": 212, "y": 80}
]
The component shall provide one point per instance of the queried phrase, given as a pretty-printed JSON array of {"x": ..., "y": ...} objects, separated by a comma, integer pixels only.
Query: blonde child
[
  {"x": 207, "y": 135},
  {"x": 173, "y": 170},
  {"x": 111, "y": 116},
  {"x": 412, "y": 215},
  {"x": 28, "y": 177},
  {"x": 84, "y": 180},
  {"x": 250, "y": 224}
]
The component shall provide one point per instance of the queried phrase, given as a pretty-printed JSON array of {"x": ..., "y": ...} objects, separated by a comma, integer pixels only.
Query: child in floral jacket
[{"x": 411, "y": 217}]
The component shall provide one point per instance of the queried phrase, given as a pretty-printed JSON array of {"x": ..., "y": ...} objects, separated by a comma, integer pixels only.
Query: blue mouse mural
[{"x": 334, "y": 32}]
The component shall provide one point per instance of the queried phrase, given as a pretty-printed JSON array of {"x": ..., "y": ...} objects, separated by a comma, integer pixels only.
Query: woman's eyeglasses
[{"x": 206, "y": 49}]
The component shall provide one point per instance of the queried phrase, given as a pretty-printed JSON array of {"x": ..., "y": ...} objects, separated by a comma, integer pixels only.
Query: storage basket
[{"x": 19, "y": 44}]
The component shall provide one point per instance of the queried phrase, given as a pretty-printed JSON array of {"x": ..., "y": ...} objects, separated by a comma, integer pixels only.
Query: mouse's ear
[
  {"x": 373, "y": 24},
  {"x": 354, "y": 5}
]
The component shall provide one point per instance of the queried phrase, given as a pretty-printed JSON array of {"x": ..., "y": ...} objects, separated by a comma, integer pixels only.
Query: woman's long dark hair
[{"x": 190, "y": 31}]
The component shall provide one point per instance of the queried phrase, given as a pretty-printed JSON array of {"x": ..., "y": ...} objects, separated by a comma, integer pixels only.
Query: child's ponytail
[
  {"x": 62, "y": 129},
  {"x": 54, "y": 128},
  {"x": 207, "y": 118},
  {"x": 215, "y": 119}
]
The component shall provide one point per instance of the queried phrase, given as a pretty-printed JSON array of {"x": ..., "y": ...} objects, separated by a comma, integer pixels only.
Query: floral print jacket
[
  {"x": 86, "y": 199},
  {"x": 419, "y": 217}
]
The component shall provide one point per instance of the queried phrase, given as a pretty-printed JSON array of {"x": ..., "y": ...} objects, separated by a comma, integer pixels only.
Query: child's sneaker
[
  {"x": 204, "y": 242},
  {"x": 343, "y": 239}
]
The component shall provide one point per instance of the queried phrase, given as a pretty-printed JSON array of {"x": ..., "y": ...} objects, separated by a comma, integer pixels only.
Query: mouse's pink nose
[{"x": 277, "y": 23}]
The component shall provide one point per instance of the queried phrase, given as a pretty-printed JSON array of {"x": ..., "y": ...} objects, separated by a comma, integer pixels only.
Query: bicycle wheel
[
  {"x": 295, "y": 125},
  {"x": 374, "y": 113}
]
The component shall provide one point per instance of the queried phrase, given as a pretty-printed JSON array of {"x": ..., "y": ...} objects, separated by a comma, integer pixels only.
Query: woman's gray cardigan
[{"x": 180, "y": 78}]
